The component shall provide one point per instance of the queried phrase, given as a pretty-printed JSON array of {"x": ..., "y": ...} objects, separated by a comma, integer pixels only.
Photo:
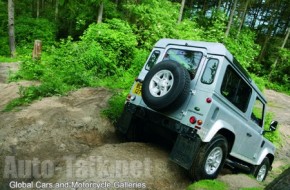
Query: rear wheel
[{"x": 210, "y": 159}]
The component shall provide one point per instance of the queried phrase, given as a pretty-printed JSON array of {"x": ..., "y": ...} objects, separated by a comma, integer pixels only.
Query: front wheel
[
  {"x": 210, "y": 159},
  {"x": 261, "y": 171}
]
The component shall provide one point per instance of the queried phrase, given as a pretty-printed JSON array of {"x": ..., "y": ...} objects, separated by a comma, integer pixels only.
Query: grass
[
  {"x": 208, "y": 185},
  {"x": 4, "y": 59}
]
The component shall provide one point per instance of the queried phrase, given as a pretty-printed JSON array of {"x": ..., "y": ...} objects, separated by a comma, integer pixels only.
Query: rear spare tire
[{"x": 166, "y": 86}]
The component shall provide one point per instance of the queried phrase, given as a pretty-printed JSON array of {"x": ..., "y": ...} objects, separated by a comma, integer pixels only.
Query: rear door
[{"x": 192, "y": 59}]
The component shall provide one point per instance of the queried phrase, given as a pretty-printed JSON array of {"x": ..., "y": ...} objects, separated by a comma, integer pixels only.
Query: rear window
[
  {"x": 188, "y": 58},
  {"x": 235, "y": 89}
]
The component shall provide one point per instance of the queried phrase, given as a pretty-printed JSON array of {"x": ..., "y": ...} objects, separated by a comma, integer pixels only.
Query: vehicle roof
[{"x": 214, "y": 48}]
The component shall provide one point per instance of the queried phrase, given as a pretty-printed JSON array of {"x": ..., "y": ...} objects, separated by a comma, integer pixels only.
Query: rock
[{"x": 282, "y": 182}]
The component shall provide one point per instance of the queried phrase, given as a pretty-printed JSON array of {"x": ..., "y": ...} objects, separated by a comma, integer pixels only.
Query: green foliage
[
  {"x": 244, "y": 48},
  {"x": 260, "y": 82},
  {"x": 29, "y": 70},
  {"x": 29, "y": 29},
  {"x": 8, "y": 59},
  {"x": 278, "y": 87},
  {"x": 187, "y": 29},
  {"x": 274, "y": 137},
  {"x": 116, "y": 104},
  {"x": 214, "y": 27},
  {"x": 252, "y": 188},
  {"x": 122, "y": 81},
  {"x": 116, "y": 40},
  {"x": 4, "y": 42},
  {"x": 281, "y": 71},
  {"x": 208, "y": 185},
  {"x": 76, "y": 64},
  {"x": 150, "y": 21}
]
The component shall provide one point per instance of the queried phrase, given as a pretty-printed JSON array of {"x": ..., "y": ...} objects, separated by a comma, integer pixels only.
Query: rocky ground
[{"x": 67, "y": 139}]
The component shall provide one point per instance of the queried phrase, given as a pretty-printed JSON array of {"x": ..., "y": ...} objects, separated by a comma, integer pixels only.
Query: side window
[
  {"x": 257, "y": 113},
  {"x": 235, "y": 89},
  {"x": 152, "y": 60},
  {"x": 210, "y": 71}
]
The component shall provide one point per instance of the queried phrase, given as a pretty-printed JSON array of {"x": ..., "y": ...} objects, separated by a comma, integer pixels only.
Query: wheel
[
  {"x": 210, "y": 159},
  {"x": 261, "y": 171},
  {"x": 166, "y": 86}
]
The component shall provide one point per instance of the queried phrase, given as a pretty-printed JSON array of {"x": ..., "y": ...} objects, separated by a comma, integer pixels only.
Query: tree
[
  {"x": 270, "y": 27},
  {"x": 56, "y": 10},
  {"x": 100, "y": 12},
  {"x": 11, "y": 30},
  {"x": 37, "y": 8},
  {"x": 233, "y": 9},
  {"x": 283, "y": 45},
  {"x": 243, "y": 17},
  {"x": 181, "y": 11}
]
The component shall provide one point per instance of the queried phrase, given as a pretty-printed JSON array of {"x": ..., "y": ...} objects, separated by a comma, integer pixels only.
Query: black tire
[
  {"x": 176, "y": 93},
  {"x": 200, "y": 168},
  {"x": 260, "y": 172}
]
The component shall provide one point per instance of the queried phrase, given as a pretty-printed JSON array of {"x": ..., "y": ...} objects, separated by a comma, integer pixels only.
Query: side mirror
[
  {"x": 272, "y": 128},
  {"x": 273, "y": 125}
]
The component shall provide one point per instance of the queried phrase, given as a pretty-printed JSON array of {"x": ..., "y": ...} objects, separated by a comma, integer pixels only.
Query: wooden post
[{"x": 36, "y": 54}]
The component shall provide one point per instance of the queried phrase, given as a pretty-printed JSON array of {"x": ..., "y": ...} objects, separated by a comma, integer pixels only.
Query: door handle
[{"x": 249, "y": 134}]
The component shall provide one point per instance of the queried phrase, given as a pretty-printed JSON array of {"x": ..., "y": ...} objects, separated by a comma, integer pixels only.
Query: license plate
[{"x": 137, "y": 89}]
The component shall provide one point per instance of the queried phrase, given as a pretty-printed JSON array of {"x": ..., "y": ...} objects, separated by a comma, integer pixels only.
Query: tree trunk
[
  {"x": 100, "y": 13},
  {"x": 268, "y": 36},
  {"x": 255, "y": 16},
  {"x": 181, "y": 11},
  {"x": 42, "y": 5},
  {"x": 243, "y": 17},
  {"x": 204, "y": 7},
  {"x": 37, "y": 9},
  {"x": 231, "y": 18},
  {"x": 286, "y": 38},
  {"x": 11, "y": 30},
  {"x": 56, "y": 10},
  {"x": 228, "y": 7},
  {"x": 219, "y": 4},
  {"x": 36, "y": 54}
]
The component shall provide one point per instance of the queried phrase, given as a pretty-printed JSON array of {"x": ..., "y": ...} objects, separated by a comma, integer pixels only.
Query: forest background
[{"x": 106, "y": 42}]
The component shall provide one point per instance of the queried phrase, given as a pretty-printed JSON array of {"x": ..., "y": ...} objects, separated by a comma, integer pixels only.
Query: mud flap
[
  {"x": 126, "y": 118},
  {"x": 184, "y": 150}
]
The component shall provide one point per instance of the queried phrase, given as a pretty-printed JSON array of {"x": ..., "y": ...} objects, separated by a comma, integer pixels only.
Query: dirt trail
[
  {"x": 279, "y": 104},
  {"x": 70, "y": 141}
]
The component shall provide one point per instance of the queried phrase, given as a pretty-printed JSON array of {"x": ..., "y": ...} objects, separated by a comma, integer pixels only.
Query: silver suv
[{"x": 196, "y": 95}]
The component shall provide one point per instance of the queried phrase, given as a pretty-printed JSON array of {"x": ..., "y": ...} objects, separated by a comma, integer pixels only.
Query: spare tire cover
[{"x": 166, "y": 86}]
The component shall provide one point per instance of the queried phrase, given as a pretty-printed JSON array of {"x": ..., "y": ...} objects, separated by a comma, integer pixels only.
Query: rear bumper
[
  {"x": 132, "y": 111},
  {"x": 186, "y": 144}
]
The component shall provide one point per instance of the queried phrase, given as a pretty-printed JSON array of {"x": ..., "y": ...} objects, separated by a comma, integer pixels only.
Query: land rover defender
[{"x": 206, "y": 103}]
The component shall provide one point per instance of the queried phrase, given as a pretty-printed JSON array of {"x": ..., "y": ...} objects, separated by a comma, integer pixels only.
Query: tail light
[
  {"x": 208, "y": 100},
  {"x": 192, "y": 120}
]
